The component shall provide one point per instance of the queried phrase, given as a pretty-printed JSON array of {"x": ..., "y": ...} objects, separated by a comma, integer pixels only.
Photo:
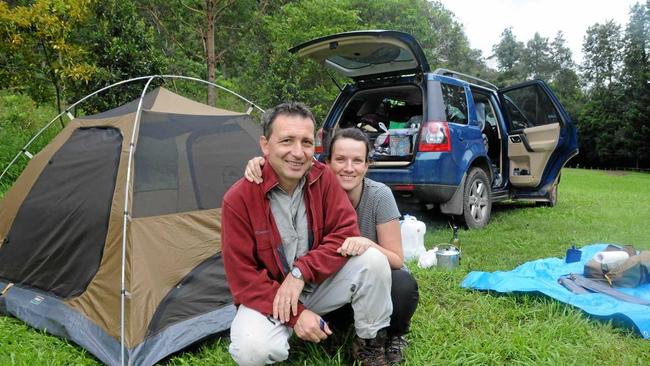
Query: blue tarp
[{"x": 541, "y": 276}]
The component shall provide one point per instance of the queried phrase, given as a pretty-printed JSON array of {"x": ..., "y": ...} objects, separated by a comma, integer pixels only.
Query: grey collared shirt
[{"x": 290, "y": 217}]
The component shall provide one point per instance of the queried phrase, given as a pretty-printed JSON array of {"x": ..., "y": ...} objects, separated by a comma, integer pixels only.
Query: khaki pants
[{"x": 364, "y": 281}]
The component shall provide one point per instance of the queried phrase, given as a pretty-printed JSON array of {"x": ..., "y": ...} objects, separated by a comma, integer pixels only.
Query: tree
[
  {"x": 636, "y": 77},
  {"x": 602, "y": 56},
  {"x": 199, "y": 35},
  {"x": 601, "y": 123},
  {"x": 274, "y": 75},
  {"x": 537, "y": 58},
  {"x": 71, "y": 48},
  {"x": 277, "y": 27},
  {"x": 40, "y": 48},
  {"x": 122, "y": 46},
  {"x": 561, "y": 56},
  {"x": 509, "y": 54},
  {"x": 564, "y": 79}
]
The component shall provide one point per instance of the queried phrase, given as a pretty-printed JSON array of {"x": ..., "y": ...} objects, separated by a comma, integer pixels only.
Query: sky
[{"x": 484, "y": 20}]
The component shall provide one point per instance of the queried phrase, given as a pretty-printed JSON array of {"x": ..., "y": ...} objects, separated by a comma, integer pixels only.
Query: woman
[{"x": 378, "y": 218}]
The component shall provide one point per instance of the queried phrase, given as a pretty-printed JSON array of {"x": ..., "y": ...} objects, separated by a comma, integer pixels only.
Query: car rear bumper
[
  {"x": 431, "y": 177},
  {"x": 426, "y": 193}
]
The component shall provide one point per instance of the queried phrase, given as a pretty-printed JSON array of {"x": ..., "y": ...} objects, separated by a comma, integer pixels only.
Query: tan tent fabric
[
  {"x": 185, "y": 239},
  {"x": 168, "y": 102}
]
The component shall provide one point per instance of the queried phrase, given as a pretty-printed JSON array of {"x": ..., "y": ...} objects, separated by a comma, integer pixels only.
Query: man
[{"x": 280, "y": 241}]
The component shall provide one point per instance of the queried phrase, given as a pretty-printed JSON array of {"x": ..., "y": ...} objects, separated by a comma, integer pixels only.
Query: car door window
[
  {"x": 528, "y": 107},
  {"x": 455, "y": 101}
]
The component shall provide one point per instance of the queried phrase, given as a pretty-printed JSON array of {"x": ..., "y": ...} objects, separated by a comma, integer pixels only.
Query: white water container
[{"x": 413, "y": 232}]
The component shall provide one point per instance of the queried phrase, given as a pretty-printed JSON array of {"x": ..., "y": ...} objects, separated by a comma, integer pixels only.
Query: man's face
[{"x": 289, "y": 149}]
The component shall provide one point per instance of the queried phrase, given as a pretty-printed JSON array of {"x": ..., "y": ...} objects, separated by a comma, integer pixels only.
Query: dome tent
[{"x": 110, "y": 236}]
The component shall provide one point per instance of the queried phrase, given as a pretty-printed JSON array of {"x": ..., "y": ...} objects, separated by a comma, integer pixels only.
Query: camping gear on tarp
[
  {"x": 541, "y": 276},
  {"x": 68, "y": 243},
  {"x": 412, "y": 231},
  {"x": 611, "y": 258},
  {"x": 620, "y": 267},
  {"x": 578, "y": 284},
  {"x": 573, "y": 255}
]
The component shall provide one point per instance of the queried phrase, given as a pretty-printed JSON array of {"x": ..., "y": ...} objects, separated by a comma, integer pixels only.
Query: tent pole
[{"x": 127, "y": 184}]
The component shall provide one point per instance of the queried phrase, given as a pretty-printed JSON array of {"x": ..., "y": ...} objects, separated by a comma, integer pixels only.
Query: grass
[{"x": 454, "y": 326}]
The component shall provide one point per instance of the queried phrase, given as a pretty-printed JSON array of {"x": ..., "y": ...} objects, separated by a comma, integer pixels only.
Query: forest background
[{"x": 54, "y": 52}]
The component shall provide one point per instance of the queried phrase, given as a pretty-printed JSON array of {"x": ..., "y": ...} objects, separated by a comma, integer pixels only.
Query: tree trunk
[
  {"x": 55, "y": 81},
  {"x": 209, "y": 11}
]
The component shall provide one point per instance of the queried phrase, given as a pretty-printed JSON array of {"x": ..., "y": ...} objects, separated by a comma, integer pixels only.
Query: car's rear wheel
[{"x": 477, "y": 204}]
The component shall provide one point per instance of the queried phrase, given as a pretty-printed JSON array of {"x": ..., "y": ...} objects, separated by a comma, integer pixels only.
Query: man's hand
[
  {"x": 355, "y": 245},
  {"x": 253, "y": 172},
  {"x": 286, "y": 299},
  {"x": 308, "y": 327}
]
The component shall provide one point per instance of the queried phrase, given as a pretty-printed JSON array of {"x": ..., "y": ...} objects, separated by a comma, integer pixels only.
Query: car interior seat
[
  {"x": 480, "y": 119},
  {"x": 480, "y": 114}
]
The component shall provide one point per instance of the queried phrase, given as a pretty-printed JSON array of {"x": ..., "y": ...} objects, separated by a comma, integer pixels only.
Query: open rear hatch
[
  {"x": 391, "y": 117},
  {"x": 366, "y": 54}
]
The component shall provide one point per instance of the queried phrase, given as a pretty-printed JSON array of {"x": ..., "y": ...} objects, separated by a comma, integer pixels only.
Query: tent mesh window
[
  {"x": 57, "y": 239},
  {"x": 187, "y": 162}
]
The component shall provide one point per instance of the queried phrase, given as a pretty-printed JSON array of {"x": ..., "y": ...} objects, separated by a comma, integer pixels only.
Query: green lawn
[{"x": 457, "y": 326}]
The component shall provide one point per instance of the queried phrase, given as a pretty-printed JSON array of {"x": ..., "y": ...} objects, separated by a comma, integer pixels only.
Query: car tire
[{"x": 477, "y": 199}]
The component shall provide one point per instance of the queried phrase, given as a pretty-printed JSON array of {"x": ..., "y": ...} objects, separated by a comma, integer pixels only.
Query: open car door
[
  {"x": 541, "y": 135},
  {"x": 366, "y": 54}
]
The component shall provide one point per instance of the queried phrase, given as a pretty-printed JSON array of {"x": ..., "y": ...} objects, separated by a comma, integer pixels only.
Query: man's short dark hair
[{"x": 285, "y": 109}]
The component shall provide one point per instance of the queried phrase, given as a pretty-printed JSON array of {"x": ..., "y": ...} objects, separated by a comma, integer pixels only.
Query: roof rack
[{"x": 460, "y": 75}]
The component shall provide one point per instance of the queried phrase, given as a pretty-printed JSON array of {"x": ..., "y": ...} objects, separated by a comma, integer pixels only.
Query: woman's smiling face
[{"x": 348, "y": 162}]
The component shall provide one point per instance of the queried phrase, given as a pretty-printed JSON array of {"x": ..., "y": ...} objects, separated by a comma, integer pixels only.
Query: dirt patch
[{"x": 617, "y": 173}]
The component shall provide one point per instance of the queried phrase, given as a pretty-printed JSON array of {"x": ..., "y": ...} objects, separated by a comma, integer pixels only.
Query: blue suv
[{"x": 442, "y": 137}]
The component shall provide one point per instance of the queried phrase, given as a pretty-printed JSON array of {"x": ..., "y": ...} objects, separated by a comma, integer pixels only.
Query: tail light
[
  {"x": 435, "y": 137},
  {"x": 318, "y": 142},
  {"x": 404, "y": 187}
]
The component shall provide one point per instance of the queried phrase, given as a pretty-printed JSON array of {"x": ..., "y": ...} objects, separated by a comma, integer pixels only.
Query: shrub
[{"x": 20, "y": 119}]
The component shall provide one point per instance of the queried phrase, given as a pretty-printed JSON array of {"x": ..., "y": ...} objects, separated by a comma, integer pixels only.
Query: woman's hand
[
  {"x": 253, "y": 172},
  {"x": 355, "y": 245}
]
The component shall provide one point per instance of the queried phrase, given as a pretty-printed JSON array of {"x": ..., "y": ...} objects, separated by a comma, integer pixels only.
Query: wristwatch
[{"x": 295, "y": 272}]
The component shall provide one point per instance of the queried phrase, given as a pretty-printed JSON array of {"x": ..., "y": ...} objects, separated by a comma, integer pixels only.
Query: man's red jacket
[{"x": 252, "y": 247}]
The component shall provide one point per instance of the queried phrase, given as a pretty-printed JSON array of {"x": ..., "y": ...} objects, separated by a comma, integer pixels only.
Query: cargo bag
[{"x": 632, "y": 272}]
